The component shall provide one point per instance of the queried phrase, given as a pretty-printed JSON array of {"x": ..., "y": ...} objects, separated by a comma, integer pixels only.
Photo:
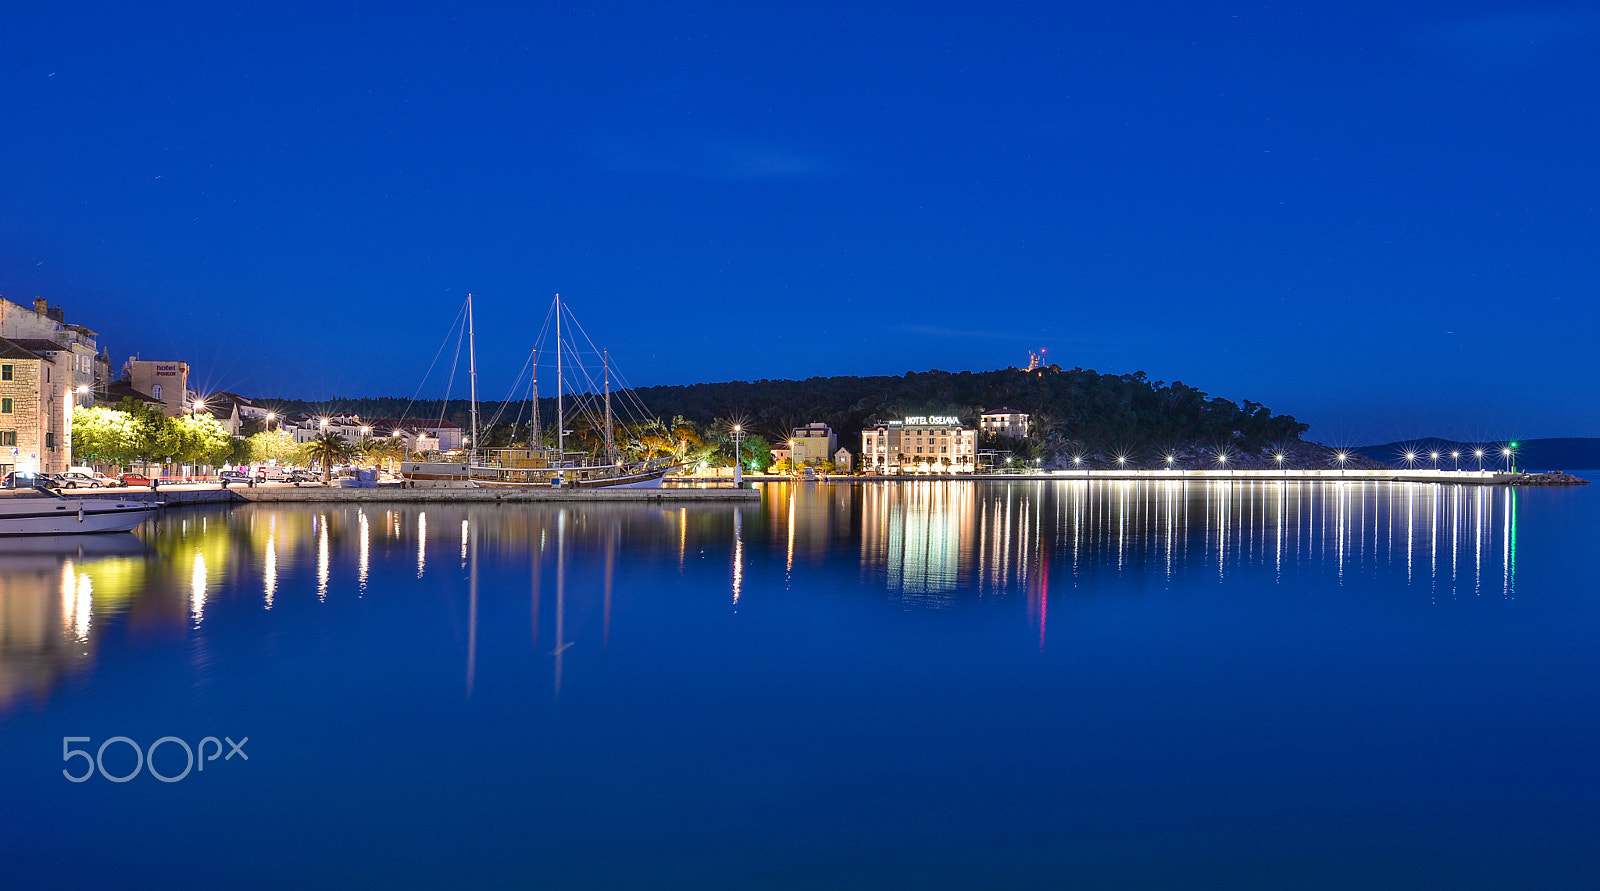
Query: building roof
[
  {"x": 235, "y": 398},
  {"x": 1003, "y": 411},
  {"x": 40, "y": 345},
  {"x": 117, "y": 391},
  {"x": 11, "y": 349}
]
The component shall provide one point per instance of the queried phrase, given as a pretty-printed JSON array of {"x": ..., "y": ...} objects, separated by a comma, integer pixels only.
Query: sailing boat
[{"x": 536, "y": 466}]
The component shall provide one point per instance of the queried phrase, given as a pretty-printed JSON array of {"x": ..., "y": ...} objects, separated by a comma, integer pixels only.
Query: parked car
[
  {"x": 233, "y": 476},
  {"x": 20, "y": 480},
  {"x": 299, "y": 475},
  {"x": 74, "y": 479},
  {"x": 135, "y": 479},
  {"x": 273, "y": 474}
]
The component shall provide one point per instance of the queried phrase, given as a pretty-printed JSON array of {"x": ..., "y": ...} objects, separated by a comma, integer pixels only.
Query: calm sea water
[{"x": 873, "y": 685}]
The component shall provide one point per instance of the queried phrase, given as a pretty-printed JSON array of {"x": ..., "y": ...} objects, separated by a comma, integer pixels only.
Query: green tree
[
  {"x": 201, "y": 439},
  {"x": 328, "y": 449},
  {"x": 105, "y": 434},
  {"x": 275, "y": 446}
]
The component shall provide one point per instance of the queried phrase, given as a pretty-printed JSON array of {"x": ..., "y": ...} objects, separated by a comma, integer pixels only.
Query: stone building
[{"x": 31, "y": 428}]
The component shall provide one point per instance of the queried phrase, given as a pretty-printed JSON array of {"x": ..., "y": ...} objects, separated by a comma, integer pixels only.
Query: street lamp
[
  {"x": 270, "y": 416},
  {"x": 1171, "y": 459},
  {"x": 1411, "y": 459},
  {"x": 1343, "y": 457},
  {"x": 1278, "y": 458},
  {"x": 1457, "y": 457},
  {"x": 1478, "y": 453},
  {"x": 1435, "y": 456},
  {"x": 324, "y": 423},
  {"x": 738, "y": 457},
  {"x": 1122, "y": 460},
  {"x": 1506, "y": 453}
]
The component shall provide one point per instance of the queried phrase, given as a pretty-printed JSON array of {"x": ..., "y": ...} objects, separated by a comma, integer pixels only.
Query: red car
[{"x": 134, "y": 479}]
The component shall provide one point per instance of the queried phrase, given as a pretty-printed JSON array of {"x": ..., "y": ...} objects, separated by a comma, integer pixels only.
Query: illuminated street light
[
  {"x": 1278, "y": 458},
  {"x": 1506, "y": 453},
  {"x": 1435, "y": 456},
  {"x": 1411, "y": 459},
  {"x": 324, "y": 423},
  {"x": 270, "y": 416},
  {"x": 1478, "y": 453},
  {"x": 1122, "y": 460},
  {"x": 1171, "y": 459},
  {"x": 1457, "y": 457}
]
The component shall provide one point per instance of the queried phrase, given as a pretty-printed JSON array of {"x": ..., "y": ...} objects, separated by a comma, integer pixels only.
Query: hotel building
[{"x": 919, "y": 444}]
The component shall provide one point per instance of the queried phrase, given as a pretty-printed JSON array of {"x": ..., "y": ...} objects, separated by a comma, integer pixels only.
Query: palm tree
[{"x": 326, "y": 449}]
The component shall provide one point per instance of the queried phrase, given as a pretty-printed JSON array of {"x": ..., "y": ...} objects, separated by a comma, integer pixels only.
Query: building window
[
  {"x": 8, "y": 438},
  {"x": 50, "y": 440},
  {"x": 155, "y": 391},
  {"x": 7, "y": 372},
  {"x": 5, "y": 406}
]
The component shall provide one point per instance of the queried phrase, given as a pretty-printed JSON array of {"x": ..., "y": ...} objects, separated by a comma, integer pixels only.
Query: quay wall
[{"x": 396, "y": 495}]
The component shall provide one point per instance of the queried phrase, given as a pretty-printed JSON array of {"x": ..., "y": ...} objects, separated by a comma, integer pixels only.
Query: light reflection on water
[{"x": 929, "y": 544}]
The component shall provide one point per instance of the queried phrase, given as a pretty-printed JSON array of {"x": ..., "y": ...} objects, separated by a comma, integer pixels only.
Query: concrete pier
[{"x": 185, "y": 496}]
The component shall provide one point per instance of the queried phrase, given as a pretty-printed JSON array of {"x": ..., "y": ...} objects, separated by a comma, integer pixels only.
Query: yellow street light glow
[
  {"x": 272, "y": 415},
  {"x": 82, "y": 389}
]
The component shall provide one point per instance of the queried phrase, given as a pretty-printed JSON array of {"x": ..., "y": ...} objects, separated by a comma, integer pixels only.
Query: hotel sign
[
  {"x": 166, "y": 371},
  {"x": 930, "y": 421}
]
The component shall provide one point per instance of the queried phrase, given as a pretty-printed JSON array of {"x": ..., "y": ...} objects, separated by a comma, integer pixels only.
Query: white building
[
  {"x": 1004, "y": 421},
  {"x": 919, "y": 444}
]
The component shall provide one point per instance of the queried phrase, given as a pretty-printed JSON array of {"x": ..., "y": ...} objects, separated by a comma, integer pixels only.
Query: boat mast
[
  {"x": 561, "y": 421},
  {"x": 537, "y": 439},
  {"x": 472, "y": 365},
  {"x": 611, "y": 443}
]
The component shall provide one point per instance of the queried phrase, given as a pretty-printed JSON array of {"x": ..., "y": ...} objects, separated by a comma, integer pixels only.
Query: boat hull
[{"x": 71, "y": 516}]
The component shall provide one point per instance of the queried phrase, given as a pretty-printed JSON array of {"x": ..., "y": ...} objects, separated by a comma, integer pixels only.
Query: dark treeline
[{"x": 1101, "y": 412}]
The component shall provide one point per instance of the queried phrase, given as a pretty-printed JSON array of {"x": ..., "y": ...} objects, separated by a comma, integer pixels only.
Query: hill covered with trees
[{"x": 1074, "y": 411}]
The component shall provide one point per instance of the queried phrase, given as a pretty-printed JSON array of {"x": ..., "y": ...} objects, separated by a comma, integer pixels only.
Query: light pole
[
  {"x": 1435, "y": 460},
  {"x": 1478, "y": 453},
  {"x": 1077, "y": 461},
  {"x": 1343, "y": 457},
  {"x": 1505, "y": 452},
  {"x": 1411, "y": 460},
  {"x": 1171, "y": 459},
  {"x": 270, "y": 416},
  {"x": 1279, "y": 458},
  {"x": 1222, "y": 462},
  {"x": 1457, "y": 457},
  {"x": 738, "y": 457}
]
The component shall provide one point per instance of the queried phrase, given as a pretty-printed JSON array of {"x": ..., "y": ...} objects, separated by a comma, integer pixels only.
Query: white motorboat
[{"x": 42, "y": 512}]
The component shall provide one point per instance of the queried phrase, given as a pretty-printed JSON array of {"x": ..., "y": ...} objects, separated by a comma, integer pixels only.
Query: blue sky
[{"x": 1380, "y": 219}]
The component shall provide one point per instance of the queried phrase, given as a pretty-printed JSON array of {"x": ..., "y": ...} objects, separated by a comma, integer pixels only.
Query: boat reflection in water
[{"x": 926, "y": 543}]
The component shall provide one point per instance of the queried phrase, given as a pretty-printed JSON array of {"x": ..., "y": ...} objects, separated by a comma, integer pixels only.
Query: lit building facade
[
  {"x": 813, "y": 444},
  {"x": 165, "y": 382},
  {"x": 1004, "y": 421},
  {"x": 919, "y": 444}
]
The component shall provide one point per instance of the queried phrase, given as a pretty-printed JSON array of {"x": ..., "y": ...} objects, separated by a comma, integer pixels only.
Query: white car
[{"x": 73, "y": 479}]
